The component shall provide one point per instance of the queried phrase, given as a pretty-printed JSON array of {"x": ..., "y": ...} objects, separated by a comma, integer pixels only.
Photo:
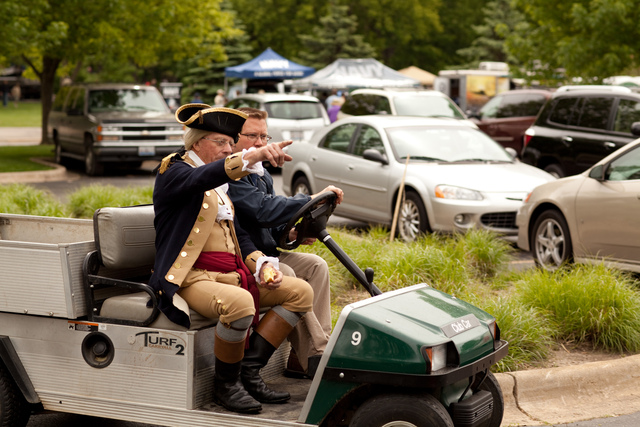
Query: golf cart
[{"x": 80, "y": 332}]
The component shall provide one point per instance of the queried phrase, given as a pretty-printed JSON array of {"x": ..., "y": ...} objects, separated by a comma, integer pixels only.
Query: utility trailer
[{"x": 80, "y": 333}]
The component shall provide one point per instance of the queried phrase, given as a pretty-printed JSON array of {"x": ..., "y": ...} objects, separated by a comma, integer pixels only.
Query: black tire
[
  {"x": 14, "y": 409},
  {"x": 92, "y": 166},
  {"x": 412, "y": 218},
  {"x": 301, "y": 186},
  {"x": 59, "y": 158},
  {"x": 401, "y": 410},
  {"x": 491, "y": 385},
  {"x": 551, "y": 241},
  {"x": 555, "y": 170}
]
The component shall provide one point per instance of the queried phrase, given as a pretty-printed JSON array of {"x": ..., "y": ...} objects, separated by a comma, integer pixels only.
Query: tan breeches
[{"x": 219, "y": 295}]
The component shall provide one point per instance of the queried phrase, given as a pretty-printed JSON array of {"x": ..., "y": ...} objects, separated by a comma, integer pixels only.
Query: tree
[
  {"x": 44, "y": 34},
  {"x": 590, "y": 39},
  {"x": 334, "y": 38},
  {"x": 277, "y": 23},
  {"x": 200, "y": 74},
  {"x": 398, "y": 29},
  {"x": 500, "y": 20}
]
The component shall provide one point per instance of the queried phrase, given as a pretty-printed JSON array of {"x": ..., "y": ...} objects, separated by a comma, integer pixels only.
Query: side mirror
[
  {"x": 512, "y": 152},
  {"x": 635, "y": 128},
  {"x": 374, "y": 155},
  {"x": 597, "y": 173}
]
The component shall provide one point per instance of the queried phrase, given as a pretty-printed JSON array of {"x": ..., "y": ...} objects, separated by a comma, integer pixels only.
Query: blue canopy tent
[{"x": 267, "y": 66}]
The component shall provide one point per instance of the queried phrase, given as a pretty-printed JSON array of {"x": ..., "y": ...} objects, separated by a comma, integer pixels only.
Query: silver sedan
[
  {"x": 455, "y": 177},
  {"x": 590, "y": 217}
]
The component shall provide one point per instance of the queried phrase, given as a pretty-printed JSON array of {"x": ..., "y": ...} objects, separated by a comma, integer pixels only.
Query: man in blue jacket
[{"x": 264, "y": 215}]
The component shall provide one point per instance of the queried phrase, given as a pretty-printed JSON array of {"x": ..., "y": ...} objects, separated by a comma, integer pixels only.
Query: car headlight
[
  {"x": 457, "y": 193},
  {"x": 436, "y": 357}
]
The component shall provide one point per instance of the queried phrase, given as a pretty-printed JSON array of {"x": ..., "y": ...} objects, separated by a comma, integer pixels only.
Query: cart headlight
[
  {"x": 457, "y": 193},
  {"x": 436, "y": 357},
  {"x": 494, "y": 329}
]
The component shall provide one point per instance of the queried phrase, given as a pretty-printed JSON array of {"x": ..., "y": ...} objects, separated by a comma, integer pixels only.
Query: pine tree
[{"x": 334, "y": 38}]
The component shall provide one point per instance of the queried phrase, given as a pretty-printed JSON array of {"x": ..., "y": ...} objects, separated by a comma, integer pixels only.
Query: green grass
[
  {"x": 534, "y": 309},
  {"x": 27, "y": 114},
  {"x": 16, "y": 158}
]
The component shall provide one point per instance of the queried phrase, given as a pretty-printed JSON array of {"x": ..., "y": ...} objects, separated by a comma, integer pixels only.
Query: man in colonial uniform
[{"x": 206, "y": 259}]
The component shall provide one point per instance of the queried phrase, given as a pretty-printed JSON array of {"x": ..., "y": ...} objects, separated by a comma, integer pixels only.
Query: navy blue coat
[{"x": 262, "y": 213}]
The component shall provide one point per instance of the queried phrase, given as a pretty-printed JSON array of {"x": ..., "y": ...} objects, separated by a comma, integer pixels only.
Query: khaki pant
[
  {"x": 311, "y": 334},
  {"x": 219, "y": 295}
]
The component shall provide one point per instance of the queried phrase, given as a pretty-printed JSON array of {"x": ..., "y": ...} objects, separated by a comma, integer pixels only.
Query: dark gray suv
[{"x": 579, "y": 126}]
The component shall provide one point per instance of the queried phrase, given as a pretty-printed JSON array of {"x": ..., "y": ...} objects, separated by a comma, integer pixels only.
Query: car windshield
[
  {"x": 126, "y": 100},
  {"x": 445, "y": 145},
  {"x": 426, "y": 106},
  {"x": 294, "y": 110}
]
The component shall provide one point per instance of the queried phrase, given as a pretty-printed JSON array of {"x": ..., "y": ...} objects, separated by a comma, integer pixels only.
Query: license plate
[
  {"x": 146, "y": 151},
  {"x": 296, "y": 135}
]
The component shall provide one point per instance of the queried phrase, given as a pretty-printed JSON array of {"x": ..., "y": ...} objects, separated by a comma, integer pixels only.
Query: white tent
[{"x": 355, "y": 73}]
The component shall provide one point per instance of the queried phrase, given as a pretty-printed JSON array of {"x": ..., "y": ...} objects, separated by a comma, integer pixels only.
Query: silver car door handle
[{"x": 609, "y": 144}]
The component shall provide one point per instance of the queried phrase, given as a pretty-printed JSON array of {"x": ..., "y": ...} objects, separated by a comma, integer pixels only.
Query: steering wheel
[{"x": 310, "y": 220}]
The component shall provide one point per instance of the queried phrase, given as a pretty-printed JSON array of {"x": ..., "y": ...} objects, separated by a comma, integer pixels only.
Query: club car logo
[
  {"x": 460, "y": 325},
  {"x": 153, "y": 339}
]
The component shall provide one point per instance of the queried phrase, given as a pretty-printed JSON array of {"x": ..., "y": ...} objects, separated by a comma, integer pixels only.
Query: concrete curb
[
  {"x": 571, "y": 393},
  {"x": 58, "y": 173}
]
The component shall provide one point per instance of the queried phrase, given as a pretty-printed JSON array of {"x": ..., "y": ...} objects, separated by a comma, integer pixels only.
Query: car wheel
[
  {"x": 491, "y": 385},
  {"x": 91, "y": 165},
  {"x": 14, "y": 409},
  {"x": 412, "y": 218},
  {"x": 551, "y": 241},
  {"x": 555, "y": 170},
  {"x": 301, "y": 186},
  {"x": 400, "y": 410}
]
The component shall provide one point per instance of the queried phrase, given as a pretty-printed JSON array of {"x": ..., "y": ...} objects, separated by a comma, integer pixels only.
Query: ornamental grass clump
[
  {"x": 26, "y": 200},
  {"x": 589, "y": 303},
  {"x": 529, "y": 331},
  {"x": 85, "y": 201}
]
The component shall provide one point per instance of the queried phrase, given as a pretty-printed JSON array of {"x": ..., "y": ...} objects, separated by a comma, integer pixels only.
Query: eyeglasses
[
  {"x": 222, "y": 142},
  {"x": 254, "y": 136}
]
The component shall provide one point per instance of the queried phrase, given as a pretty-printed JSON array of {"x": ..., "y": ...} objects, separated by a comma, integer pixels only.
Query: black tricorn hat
[{"x": 204, "y": 117}]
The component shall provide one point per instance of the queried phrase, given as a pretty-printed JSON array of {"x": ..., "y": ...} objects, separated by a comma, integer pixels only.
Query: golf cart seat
[{"x": 116, "y": 274}]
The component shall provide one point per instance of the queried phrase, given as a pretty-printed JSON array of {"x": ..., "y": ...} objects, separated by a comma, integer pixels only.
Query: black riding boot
[
  {"x": 228, "y": 390},
  {"x": 256, "y": 358},
  {"x": 269, "y": 334}
]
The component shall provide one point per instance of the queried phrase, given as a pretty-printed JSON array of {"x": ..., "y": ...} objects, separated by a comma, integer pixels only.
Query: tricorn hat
[{"x": 204, "y": 117}]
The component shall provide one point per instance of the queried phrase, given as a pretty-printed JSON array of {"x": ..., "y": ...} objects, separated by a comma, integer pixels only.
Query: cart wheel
[
  {"x": 491, "y": 385},
  {"x": 401, "y": 410},
  {"x": 14, "y": 409}
]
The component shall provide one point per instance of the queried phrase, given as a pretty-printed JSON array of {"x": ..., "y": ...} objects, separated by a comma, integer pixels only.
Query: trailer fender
[{"x": 9, "y": 357}]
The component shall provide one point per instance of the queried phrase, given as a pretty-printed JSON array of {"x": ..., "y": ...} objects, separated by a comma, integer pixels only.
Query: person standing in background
[{"x": 16, "y": 93}]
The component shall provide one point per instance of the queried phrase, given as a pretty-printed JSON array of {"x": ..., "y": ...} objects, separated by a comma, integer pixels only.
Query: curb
[
  {"x": 571, "y": 393},
  {"x": 58, "y": 173}
]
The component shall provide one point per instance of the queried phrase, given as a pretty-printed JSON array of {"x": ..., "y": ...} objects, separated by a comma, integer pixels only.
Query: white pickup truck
[{"x": 80, "y": 333}]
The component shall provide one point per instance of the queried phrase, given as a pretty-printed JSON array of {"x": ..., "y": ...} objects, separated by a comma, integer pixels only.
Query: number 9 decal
[{"x": 356, "y": 337}]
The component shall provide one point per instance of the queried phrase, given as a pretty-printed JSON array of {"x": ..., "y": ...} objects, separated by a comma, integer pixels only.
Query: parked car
[
  {"x": 109, "y": 123},
  {"x": 456, "y": 177},
  {"x": 590, "y": 217},
  {"x": 509, "y": 114},
  {"x": 579, "y": 126},
  {"x": 291, "y": 116},
  {"x": 397, "y": 102}
]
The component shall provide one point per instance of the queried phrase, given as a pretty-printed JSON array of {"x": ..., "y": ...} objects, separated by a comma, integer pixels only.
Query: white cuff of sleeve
[
  {"x": 262, "y": 260},
  {"x": 256, "y": 168}
]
